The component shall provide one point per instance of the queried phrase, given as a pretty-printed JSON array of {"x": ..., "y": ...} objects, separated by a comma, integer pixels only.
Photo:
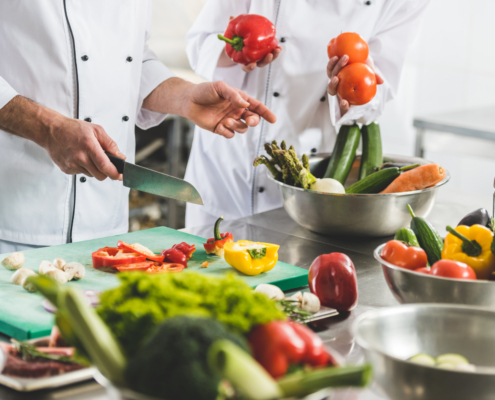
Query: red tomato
[
  {"x": 397, "y": 253},
  {"x": 332, "y": 277},
  {"x": 423, "y": 270},
  {"x": 357, "y": 84},
  {"x": 140, "y": 249},
  {"x": 452, "y": 269},
  {"x": 175, "y": 256},
  {"x": 349, "y": 43}
]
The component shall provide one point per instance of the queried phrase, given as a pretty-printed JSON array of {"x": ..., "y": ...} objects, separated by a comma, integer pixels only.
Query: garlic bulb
[
  {"x": 74, "y": 270},
  {"x": 272, "y": 291},
  {"x": 310, "y": 303},
  {"x": 296, "y": 298},
  {"x": 20, "y": 274},
  {"x": 14, "y": 261}
]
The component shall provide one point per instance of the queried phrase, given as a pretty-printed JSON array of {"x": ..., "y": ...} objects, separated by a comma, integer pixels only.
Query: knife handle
[{"x": 118, "y": 162}]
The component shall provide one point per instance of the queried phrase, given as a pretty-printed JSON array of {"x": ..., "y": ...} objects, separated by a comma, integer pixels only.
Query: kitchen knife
[{"x": 147, "y": 180}]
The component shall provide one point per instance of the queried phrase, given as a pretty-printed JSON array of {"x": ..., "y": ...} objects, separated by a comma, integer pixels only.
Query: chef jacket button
[
  {"x": 283, "y": 40},
  {"x": 323, "y": 99},
  {"x": 87, "y": 119},
  {"x": 85, "y": 58},
  {"x": 129, "y": 59},
  {"x": 276, "y": 94},
  {"x": 125, "y": 118},
  {"x": 368, "y": 3},
  {"x": 82, "y": 179},
  {"x": 314, "y": 150},
  {"x": 261, "y": 189}
]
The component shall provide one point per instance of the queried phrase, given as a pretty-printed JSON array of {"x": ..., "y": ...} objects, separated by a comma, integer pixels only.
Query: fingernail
[
  {"x": 334, "y": 59},
  {"x": 230, "y": 123},
  {"x": 335, "y": 80},
  {"x": 119, "y": 154},
  {"x": 345, "y": 58}
]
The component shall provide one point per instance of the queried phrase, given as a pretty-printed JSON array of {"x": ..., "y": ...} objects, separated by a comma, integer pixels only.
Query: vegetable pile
[{"x": 446, "y": 361}]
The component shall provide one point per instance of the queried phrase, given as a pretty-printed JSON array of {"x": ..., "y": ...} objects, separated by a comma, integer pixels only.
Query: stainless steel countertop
[{"x": 299, "y": 247}]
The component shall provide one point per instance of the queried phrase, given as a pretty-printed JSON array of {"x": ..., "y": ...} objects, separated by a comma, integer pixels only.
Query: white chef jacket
[
  {"x": 294, "y": 87},
  {"x": 86, "y": 59}
]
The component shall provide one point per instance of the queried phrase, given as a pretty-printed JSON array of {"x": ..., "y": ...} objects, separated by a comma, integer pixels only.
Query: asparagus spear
[
  {"x": 283, "y": 146},
  {"x": 305, "y": 161},
  {"x": 270, "y": 165}
]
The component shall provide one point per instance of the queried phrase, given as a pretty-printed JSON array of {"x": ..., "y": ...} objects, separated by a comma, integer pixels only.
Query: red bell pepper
[
  {"x": 175, "y": 256},
  {"x": 140, "y": 249},
  {"x": 140, "y": 266},
  {"x": 215, "y": 245},
  {"x": 280, "y": 344},
  {"x": 187, "y": 249},
  {"x": 111, "y": 256},
  {"x": 150, "y": 267},
  {"x": 249, "y": 38},
  {"x": 397, "y": 253}
]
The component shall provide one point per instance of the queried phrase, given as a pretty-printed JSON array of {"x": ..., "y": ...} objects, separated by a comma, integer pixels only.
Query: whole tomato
[
  {"x": 175, "y": 256},
  {"x": 423, "y": 270},
  {"x": 357, "y": 84},
  {"x": 397, "y": 253},
  {"x": 453, "y": 269},
  {"x": 349, "y": 43},
  {"x": 332, "y": 277}
]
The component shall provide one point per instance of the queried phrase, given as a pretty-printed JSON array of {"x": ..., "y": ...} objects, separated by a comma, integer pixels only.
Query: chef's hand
[
  {"x": 335, "y": 64},
  {"x": 225, "y": 61}
]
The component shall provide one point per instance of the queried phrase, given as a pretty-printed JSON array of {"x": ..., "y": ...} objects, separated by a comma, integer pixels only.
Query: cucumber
[
  {"x": 344, "y": 153},
  {"x": 377, "y": 181},
  {"x": 372, "y": 157},
  {"x": 428, "y": 237},
  {"x": 407, "y": 236}
]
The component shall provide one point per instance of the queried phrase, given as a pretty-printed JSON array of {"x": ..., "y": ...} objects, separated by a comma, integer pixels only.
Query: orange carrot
[{"x": 418, "y": 178}]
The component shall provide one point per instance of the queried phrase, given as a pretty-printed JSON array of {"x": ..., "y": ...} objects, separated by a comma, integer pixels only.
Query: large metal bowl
[
  {"x": 368, "y": 215},
  {"x": 414, "y": 287},
  {"x": 389, "y": 336}
]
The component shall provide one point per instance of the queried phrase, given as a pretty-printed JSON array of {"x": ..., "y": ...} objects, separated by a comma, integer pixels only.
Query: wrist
[{"x": 50, "y": 121}]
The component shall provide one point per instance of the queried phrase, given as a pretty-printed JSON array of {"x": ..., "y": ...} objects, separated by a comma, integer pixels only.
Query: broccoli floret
[{"x": 172, "y": 363}]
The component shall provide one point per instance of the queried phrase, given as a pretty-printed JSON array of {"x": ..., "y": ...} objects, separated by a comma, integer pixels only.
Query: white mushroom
[
  {"x": 45, "y": 266},
  {"x": 14, "y": 261},
  {"x": 296, "y": 298},
  {"x": 20, "y": 274},
  {"x": 59, "y": 276},
  {"x": 59, "y": 263},
  {"x": 272, "y": 291},
  {"x": 27, "y": 285},
  {"x": 74, "y": 270},
  {"x": 310, "y": 303}
]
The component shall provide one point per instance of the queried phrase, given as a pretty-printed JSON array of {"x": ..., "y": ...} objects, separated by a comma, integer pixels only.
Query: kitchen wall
[{"x": 451, "y": 67}]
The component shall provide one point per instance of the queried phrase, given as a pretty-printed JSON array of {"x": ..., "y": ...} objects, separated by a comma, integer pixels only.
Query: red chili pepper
[
  {"x": 175, "y": 256},
  {"x": 249, "y": 38},
  {"x": 111, "y": 256},
  {"x": 397, "y": 253},
  {"x": 187, "y": 249},
  {"x": 215, "y": 245},
  {"x": 140, "y": 249}
]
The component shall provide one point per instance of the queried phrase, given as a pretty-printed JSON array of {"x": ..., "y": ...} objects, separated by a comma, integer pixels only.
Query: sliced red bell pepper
[
  {"x": 175, "y": 256},
  {"x": 142, "y": 266},
  {"x": 140, "y": 249},
  {"x": 215, "y": 245},
  {"x": 159, "y": 268},
  {"x": 110, "y": 256},
  {"x": 187, "y": 249}
]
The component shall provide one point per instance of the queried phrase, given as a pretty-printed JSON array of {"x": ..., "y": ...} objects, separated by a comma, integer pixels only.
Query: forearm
[
  {"x": 27, "y": 119},
  {"x": 169, "y": 97}
]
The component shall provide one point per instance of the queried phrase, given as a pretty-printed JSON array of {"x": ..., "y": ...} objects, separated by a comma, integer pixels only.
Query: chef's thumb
[
  {"x": 107, "y": 143},
  {"x": 231, "y": 94}
]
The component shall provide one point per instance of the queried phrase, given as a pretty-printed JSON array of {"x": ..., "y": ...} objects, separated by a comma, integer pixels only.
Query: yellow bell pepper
[
  {"x": 471, "y": 245},
  {"x": 251, "y": 258}
]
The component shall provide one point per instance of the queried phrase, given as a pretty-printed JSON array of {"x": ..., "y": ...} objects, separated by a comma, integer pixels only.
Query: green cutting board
[{"x": 22, "y": 315}]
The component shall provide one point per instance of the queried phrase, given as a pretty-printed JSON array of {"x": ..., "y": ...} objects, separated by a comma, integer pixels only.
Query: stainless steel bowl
[
  {"x": 368, "y": 215},
  {"x": 389, "y": 336},
  {"x": 414, "y": 287}
]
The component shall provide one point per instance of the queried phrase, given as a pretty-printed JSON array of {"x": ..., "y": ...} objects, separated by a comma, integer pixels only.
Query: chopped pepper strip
[
  {"x": 216, "y": 244},
  {"x": 187, "y": 249},
  {"x": 472, "y": 246},
  {"x": 141, "y": 266},
  {"x": 140, "y": 249},
  {"x": 150, "y": 267},
  {"x": 251, "y": 258},
  {"x": 111, "y": 256}
]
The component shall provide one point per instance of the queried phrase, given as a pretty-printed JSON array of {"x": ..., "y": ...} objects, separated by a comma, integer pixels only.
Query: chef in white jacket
[
  {"x": 75, "y": 78},
  {"x": 295, "y": 86}
]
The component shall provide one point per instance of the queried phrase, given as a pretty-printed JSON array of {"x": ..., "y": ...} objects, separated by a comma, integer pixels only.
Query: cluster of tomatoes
[{"x": 357, "y": 81}]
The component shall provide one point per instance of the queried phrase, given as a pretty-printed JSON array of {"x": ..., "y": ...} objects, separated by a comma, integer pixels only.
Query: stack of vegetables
[
  {"x": 176, "y": 336},
  {"x": 468, "y": 251},
  {"x": 375, "y": 176}
]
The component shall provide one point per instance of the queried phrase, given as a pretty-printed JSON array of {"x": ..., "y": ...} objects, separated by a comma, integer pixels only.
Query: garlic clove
[
  {"x": 59, "y": 263},
  {"x": 296, "y": 298},
  {"x": 310, "y": 303},
  {"x": 27, "y": 285},
  {"x": 74, "y": 270},
  {"x": 272, "y": 291},
  {"x": 20, "y": 274},
  {"x": 14, "y": 261},
  {"x": 58, "y": 276},
  {"x": 45, "y": 266}
]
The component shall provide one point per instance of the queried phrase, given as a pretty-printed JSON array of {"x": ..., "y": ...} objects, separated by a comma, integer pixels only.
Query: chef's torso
[{"x": 84, "y": 60}]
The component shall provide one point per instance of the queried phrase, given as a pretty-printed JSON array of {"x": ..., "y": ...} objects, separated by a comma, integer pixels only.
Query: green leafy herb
[
  {"x": 292, "y": 310},
  {"x": 257, "y": 253},
  {"x": 29, "y": 352}
]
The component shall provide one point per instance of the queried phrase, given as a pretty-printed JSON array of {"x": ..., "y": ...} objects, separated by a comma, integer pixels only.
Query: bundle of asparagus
[{"x": 285, "y": 166}]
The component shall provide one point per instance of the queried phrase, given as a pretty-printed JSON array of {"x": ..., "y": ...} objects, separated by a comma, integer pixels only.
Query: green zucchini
[
  {"x": 428, "y": 237},
  {"x": 407, "y": 236},
  {"x": 372, "y": 157},
  {"x": 377, "y": 181},
  {"x": 344, "y": 153}
]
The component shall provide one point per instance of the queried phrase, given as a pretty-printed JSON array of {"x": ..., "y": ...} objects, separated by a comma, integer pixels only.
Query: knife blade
[{"x": 147, "y": 180}]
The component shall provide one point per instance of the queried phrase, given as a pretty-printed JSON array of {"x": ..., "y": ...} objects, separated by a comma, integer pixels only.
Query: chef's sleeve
[
  {"x": 204, "y": 47},
  {"x": 389, "y": 43},
  {"x": 7, "y": 92},
  {"x": 153, "y": 73}
]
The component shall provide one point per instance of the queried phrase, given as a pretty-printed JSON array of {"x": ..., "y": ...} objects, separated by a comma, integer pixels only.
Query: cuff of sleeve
[
  {"x": 210, "y": 49},
  {"x": 152, "y": 74},
  {"x": 7, "y": 93}
]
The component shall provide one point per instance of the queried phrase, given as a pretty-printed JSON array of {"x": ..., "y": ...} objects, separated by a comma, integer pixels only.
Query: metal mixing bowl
[
  {"x": 389, "y": 336},
  {"x": 368, "y": 215},
  {"x": 414, "y": 287}
]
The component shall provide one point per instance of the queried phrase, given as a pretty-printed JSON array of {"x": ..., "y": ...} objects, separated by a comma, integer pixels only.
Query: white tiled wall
[{"x": 451, "y": 67}]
